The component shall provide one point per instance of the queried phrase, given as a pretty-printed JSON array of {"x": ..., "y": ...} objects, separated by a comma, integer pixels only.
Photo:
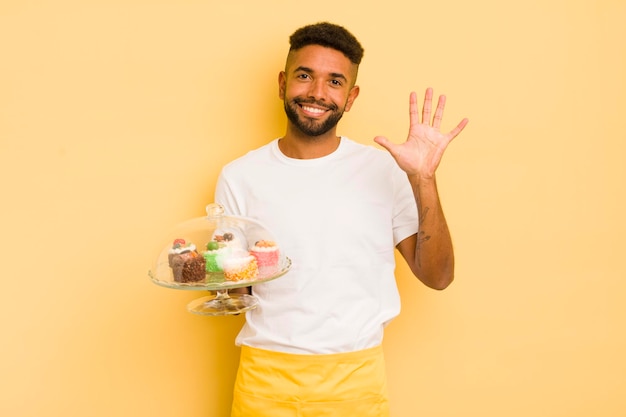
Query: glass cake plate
[{"x": 219, "y": 253}]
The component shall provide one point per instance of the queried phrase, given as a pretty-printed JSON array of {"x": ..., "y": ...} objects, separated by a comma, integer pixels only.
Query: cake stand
[
  {"x": 223, "y": 302},
  {"x": 199, "y": 231}
]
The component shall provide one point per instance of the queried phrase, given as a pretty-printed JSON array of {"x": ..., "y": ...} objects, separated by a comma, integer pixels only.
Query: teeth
[{"x": 312, "y": 109}]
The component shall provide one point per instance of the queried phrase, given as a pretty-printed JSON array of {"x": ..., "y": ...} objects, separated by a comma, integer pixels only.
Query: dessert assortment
[
  {"x": 219, "y": 253},
  {"x": 226, "y": 255}
]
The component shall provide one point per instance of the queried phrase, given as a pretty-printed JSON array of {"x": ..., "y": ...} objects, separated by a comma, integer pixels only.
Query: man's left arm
[{"x": 428, "y": 253}]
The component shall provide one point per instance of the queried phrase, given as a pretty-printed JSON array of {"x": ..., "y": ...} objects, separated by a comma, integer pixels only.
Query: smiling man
[{"x": 339, "y": 209}]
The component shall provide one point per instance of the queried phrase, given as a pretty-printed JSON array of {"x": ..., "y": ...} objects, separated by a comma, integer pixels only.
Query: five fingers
[{"x": 427, "y": 112}]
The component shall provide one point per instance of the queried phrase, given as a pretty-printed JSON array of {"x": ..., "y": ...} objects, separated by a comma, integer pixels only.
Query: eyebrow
[{"x": 310, "y": 71}]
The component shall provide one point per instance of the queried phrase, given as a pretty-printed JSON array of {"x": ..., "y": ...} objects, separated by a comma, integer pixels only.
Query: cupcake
[
  {"x": 239, "y": 266},
  {"x": 267, "y": 255},
  {"x": 186, "y": 263},
  {"x": 230, "y": 239},
  {"x": 215, "y": 254}
]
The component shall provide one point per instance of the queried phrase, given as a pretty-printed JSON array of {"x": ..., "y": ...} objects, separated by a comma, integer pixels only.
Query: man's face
[{"x": 317, "y": 87}]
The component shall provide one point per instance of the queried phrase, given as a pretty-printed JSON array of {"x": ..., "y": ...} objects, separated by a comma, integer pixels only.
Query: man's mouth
[{"x": 312, "y": 110}]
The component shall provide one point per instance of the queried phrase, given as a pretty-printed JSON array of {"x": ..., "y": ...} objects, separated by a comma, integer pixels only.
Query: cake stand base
[{"x": 222, "y": 304}]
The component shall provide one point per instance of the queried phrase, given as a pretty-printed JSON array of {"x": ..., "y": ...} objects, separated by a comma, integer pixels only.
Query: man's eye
[
  {"x": 303, "y": 76},
  {"x": 336, "y": 83}
]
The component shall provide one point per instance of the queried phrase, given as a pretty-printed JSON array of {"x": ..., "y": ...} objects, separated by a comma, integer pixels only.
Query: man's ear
[
  {"x": 354, "y": 93},
  {"x": 281, "y": 85}
]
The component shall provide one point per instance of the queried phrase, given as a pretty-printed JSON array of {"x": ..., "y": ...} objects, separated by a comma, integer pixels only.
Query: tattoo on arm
[{"x": 421, "y": 237}]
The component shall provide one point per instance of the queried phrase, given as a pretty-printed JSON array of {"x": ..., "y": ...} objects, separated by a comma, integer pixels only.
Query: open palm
[{"x": 425, "y": 145}]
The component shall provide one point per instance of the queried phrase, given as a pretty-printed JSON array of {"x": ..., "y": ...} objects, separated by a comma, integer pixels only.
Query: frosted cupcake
[
  {"x": 239, "y": 266},
  {"x": 186, "y": 263},
  {"x": 230, "y": 239},
  {"x": 215, "y": 254},
  {"x": 267, "y": 255}
]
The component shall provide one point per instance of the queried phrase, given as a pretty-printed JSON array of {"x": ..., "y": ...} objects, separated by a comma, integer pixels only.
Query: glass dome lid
[{"x": 218, "y": 252}]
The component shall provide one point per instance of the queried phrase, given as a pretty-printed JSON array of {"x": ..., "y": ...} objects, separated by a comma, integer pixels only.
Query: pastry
[
  {"x": 239, "y": 266},
  {"x": 186, "y": 263},
  {"x": 267, "y": 255},
  {"x": 215, "y": 254}
]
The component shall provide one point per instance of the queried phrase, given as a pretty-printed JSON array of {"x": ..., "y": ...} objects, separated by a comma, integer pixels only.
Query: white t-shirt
[{"x": 338, "y": 218}]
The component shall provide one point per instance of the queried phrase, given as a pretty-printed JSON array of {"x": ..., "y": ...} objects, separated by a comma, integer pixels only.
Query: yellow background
[{"x": 116, "y": 116}]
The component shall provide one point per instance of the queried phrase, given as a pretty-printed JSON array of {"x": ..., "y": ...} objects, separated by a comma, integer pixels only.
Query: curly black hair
[{"x": 328, "y": 35}]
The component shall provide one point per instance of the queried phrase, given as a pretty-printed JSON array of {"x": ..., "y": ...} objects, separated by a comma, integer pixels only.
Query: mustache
[{"x": 322, "y": 104}]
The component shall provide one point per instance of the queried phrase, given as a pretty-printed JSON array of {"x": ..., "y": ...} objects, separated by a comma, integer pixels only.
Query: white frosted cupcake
[{"x": 240, "y": 266}]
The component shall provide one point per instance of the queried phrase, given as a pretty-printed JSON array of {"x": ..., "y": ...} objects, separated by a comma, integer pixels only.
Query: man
[{"x": 338, "y": 209}]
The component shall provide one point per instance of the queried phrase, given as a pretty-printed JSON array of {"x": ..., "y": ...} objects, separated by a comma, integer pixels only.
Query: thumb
[{"x": 384, "y": 142}]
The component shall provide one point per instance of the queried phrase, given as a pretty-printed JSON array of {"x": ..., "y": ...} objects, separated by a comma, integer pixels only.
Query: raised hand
[{"x": 422, "y": 152}]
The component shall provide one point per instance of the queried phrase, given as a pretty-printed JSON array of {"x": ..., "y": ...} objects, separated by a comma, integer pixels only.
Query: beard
[{"x": 312, "y": 127}]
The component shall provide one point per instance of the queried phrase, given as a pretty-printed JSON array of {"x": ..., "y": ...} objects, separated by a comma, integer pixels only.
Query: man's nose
[{"x": 317, "y": 90}]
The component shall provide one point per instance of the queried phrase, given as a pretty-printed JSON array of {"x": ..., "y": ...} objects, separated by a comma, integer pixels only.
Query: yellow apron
[{"x": 276, "y": 384}]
